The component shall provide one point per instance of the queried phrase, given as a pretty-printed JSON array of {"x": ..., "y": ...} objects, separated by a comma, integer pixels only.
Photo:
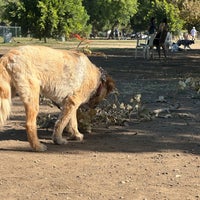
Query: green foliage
[
  {"x": 48, "y": 18},
  {"x": 56, "y": 18},
  {"x": 2, "y": 6},
  {"x": 190, "y": 13},
  {"x": 163, "y": 9},
  {"x": 106, "y": 14},
  {"x": 159, "y": 10}
]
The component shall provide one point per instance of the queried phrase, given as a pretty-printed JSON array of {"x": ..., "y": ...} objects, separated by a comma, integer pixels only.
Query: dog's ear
[
  {"x": 107, "y": 86},
  {"x": 110, "y": 84}
]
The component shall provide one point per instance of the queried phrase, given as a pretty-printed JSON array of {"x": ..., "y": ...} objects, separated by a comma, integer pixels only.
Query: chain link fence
[{"x": 7, "y": 32}]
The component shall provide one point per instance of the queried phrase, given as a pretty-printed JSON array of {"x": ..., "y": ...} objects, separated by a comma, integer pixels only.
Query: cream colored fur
[
  {"x": 67, "y": 78},
  {"x": 5, "y": 102}
]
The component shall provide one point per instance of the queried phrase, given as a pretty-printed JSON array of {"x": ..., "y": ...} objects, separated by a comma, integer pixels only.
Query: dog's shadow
[
  {"x": 103, "y": 140},
  {"x": 16, "y": 139},
  {"x": 117, "y": 139}
]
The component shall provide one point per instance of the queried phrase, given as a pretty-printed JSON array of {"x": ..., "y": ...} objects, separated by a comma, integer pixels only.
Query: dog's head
[
  {"x": 106, "y": 86},
  {"x": 191, "y": 41}
]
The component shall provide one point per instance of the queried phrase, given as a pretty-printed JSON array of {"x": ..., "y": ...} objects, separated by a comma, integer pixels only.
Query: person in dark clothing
[
  {"x": 152, "y": 31},
  {"x": 161, "y": 35},
  {"x": 152, "y": 26}
]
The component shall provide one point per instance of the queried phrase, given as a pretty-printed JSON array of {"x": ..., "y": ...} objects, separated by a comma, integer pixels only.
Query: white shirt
[{"x": 193, "y": 32}]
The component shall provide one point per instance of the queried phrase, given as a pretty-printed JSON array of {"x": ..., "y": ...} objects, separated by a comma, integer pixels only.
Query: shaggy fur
[{"x": 68, "y": 78}]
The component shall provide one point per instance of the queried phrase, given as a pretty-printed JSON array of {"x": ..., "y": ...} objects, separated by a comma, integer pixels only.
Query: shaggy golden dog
[{"x": 67, "y": 78}]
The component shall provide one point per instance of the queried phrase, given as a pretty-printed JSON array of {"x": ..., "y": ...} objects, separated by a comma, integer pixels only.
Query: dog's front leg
[
  {"x": 63, "y": 120},
  {"x": 73, "y": 128}
]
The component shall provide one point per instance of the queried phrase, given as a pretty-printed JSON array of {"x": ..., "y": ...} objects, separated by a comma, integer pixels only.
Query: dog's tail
[{"x": 5, "y": 92}]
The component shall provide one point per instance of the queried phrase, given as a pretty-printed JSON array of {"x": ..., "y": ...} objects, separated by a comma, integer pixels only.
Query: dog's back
[
  {"x": 57, "y": 72},
  {"x": 67, "y": 78},
  {"x": 185, "y": 43}
]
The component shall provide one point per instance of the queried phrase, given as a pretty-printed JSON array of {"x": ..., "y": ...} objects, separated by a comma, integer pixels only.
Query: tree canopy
[
  {"x": 48, "y": 18},
  {"x": 56, "y": 18},
  {"x": 106, "y": 14},
  {"x": 189, "y": 12},
  {"x": 159, "y": 10}
]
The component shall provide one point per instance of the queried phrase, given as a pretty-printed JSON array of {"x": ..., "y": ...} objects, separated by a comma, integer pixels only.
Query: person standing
[
  {"x": 161, "y": 35},
  {"x": 193, "y": 33},
  {"x": 152, "y": 31}
]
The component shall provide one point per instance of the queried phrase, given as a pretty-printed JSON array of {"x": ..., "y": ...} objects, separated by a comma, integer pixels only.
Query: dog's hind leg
[
  {"x": 164, "y": 50},
  {"x": 30, "y": 98},
  {"x": 158, "y": 49},
  {"x": 31, "y": 128}
]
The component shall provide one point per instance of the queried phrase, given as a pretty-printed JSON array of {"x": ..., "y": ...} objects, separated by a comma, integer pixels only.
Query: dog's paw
[
  {"x": 40, "y": 148},
  {"x": 78, "y": 137},
  {"x": 59, "y": 140}
]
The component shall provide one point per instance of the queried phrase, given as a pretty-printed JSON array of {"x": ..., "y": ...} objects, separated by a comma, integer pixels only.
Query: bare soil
[{"x": 156, "y": 159}]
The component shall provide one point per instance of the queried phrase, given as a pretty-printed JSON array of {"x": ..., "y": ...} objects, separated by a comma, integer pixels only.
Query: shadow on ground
[{"x": 151, "y": 78}]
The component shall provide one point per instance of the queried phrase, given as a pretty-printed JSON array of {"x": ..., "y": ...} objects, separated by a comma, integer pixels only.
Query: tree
[
  {"x": 60, "y": 18},
  {"x": 189, "y": 12},
  {"x": 24, "y": 13},
  {"x": 48, "y": 18},
  {"x": 158, "y": 9},
  {"x": 140, "y": 21},
  {"x": 2, "y": 6},
  {"x": 106, "y": 14},
  {"x": 162, "y": 9}
]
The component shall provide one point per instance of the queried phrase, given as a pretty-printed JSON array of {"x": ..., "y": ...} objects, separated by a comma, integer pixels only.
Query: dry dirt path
[{"x": 150, "y": 160}]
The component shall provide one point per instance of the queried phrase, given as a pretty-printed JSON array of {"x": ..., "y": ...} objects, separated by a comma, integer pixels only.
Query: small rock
[{"x": 122, "y": 182}]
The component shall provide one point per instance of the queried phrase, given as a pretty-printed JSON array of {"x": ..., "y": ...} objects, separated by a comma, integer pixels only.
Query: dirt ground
[{"x": 156, "y": 159}]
